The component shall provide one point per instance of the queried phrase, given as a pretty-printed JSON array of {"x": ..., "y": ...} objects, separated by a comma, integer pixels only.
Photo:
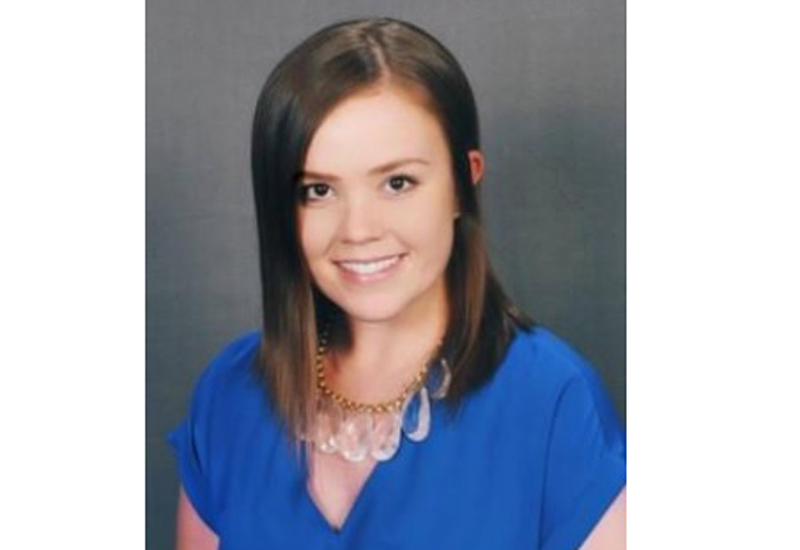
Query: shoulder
[
  {"x": 230, "y": 401},
  {"x": 235, "y": 357},
  {"x": 230, "y": 371},
  {"x": 544, "y": 376},
  {"x": 541, "y": 357}
]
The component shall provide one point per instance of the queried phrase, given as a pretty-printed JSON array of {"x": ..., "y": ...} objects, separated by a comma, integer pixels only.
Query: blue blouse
[{"x": 532, "y": 460}]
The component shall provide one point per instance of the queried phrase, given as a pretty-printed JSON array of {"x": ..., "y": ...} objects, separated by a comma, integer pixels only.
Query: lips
[{"x": 370, "y": 269}]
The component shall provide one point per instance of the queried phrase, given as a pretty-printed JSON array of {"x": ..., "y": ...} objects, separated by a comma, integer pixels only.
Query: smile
[{"x": 370, "y": 270}]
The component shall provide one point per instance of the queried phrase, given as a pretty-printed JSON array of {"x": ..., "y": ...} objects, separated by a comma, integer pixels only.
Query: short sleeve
[
  {"x": 189, "y": 441},
  {"x": 585, "y": 468}
]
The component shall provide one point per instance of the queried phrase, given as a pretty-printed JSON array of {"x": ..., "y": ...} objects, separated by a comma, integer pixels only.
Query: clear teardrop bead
[
  {"x": 328, "y": 423},
  {"x": 353, "y": 439},
  {"x": 438, "y": 380},
  {"x": 417, "y": 415},
  {"x": 385, "y": 436}
]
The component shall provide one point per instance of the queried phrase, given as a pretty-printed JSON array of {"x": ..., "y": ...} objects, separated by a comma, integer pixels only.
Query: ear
[{"x": 476, "y": 165}]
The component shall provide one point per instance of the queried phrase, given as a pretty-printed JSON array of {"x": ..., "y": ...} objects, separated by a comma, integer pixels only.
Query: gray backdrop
[{"x": 549, "y": 79}]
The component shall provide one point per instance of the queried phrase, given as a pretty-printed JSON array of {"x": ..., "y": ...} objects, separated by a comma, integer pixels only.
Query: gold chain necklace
[
  {"x": 393, "y": 405},
  {"x": 360, "y": 430}
]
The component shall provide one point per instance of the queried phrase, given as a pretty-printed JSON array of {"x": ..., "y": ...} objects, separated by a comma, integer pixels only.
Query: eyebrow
[{"x": 378, "y": 170}]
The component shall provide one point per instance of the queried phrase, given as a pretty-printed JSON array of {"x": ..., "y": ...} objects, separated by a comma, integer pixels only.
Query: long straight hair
[{"x": 326, "y": 68}]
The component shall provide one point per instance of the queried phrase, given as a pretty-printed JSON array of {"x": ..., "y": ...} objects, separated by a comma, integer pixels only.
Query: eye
[
  {"x": 314, "y": 192},
  {"x": 401, "y": 183}
]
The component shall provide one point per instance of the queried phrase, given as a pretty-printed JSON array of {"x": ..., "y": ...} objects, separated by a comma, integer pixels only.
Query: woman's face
[{"x": 377, "y": 207}]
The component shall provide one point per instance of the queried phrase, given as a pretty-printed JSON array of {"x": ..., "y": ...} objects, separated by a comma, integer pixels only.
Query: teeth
[{"x": 367, "y": 268}]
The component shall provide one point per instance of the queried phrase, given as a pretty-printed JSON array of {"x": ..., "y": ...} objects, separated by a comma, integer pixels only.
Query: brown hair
[{"x": 327, "y": 67}]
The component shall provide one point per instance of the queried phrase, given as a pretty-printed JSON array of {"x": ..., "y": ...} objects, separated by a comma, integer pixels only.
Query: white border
[
  {"x": 712, "y": 275},
  {"x": 72, "y": 292}
]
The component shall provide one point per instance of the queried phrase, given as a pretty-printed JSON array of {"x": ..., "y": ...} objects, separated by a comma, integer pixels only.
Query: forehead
[{"x": 376, "y": 126}]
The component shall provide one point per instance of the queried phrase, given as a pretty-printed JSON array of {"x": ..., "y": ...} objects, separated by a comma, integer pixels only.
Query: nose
[{"x": 361, "y": 221}]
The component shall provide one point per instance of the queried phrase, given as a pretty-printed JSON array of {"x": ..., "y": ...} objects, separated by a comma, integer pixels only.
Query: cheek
[
  {"x": 430, "y": 232},
  {"x": 312, "y": 236},
  {"x": 438, "y": 213}
]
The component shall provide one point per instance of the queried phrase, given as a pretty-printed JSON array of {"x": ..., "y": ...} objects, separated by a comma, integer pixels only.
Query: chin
[
  {"x": 370, "y": 313},
  {"x": 374, "y": 309}
]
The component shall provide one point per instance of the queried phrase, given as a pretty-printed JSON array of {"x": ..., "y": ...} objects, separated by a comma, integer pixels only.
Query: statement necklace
[{"x": 360, "y": 430}]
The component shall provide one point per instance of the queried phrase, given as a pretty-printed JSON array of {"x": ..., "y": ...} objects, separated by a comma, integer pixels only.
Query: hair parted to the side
[{"x": 327, "y": 67}]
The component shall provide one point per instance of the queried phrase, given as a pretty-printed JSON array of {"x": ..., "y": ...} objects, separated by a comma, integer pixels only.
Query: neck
[{"x": 383, "y": 356}]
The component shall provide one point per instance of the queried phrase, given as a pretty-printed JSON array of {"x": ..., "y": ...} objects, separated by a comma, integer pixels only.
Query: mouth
[{"x": 370, "y": 270}]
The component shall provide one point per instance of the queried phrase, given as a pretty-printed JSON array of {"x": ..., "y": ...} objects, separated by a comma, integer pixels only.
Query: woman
[{"x": 394, "y": 397}]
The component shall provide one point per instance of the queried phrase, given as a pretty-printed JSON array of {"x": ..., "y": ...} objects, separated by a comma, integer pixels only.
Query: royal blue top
[{"x": 532, "y": 460}]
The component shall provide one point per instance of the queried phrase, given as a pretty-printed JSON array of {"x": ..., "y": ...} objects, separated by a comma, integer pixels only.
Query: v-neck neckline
[{"x": 358, "y": 503}]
